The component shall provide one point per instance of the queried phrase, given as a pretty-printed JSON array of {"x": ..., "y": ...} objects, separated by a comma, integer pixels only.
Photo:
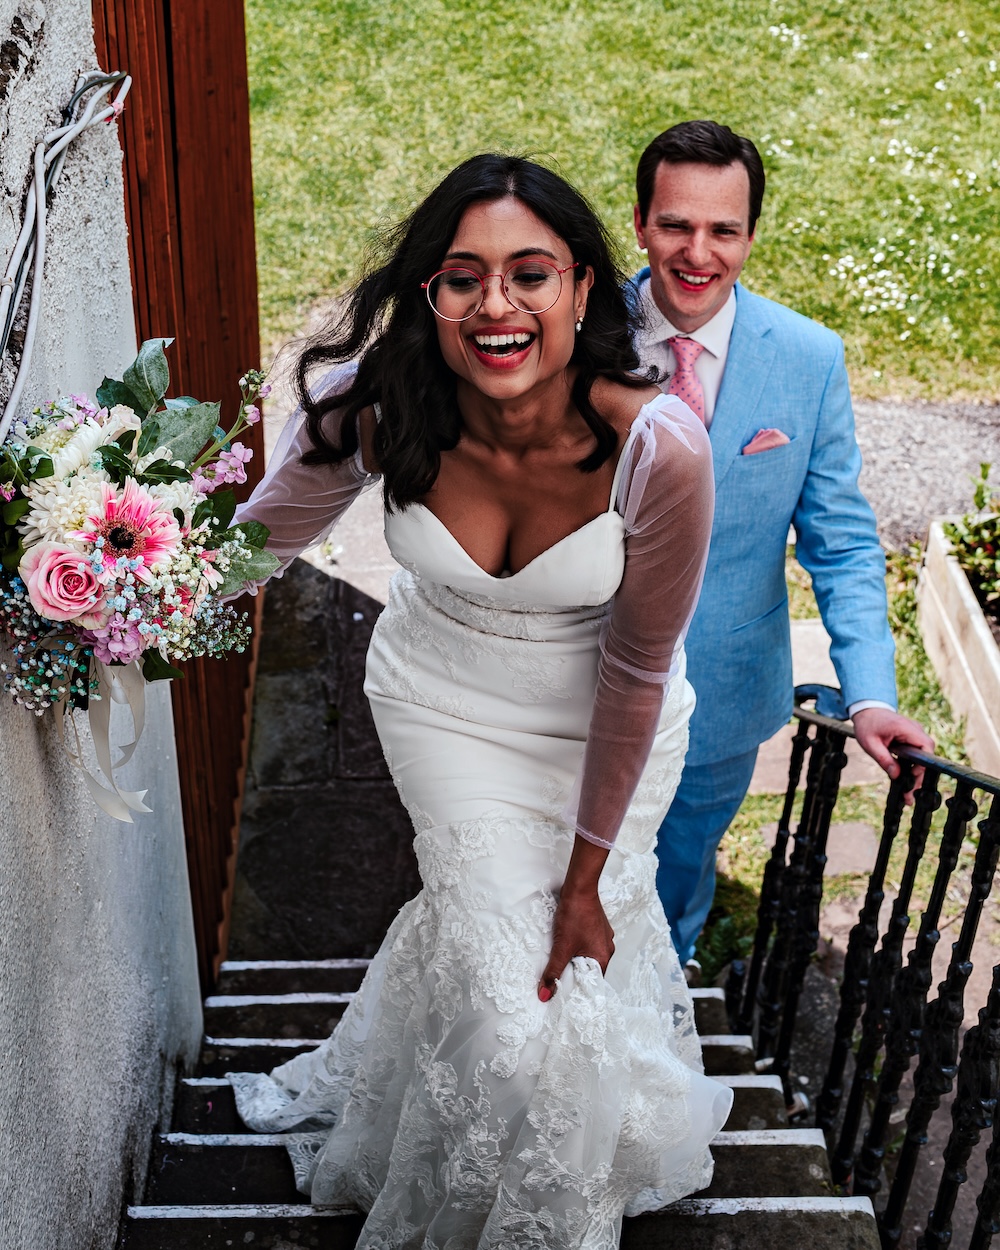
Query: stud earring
[{"x": 579, "y": 325}]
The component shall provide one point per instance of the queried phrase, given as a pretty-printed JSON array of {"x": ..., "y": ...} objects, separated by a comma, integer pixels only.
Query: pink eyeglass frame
[{"x": 484, "y": 277}]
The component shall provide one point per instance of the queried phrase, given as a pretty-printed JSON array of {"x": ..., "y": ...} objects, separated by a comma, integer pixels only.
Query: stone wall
[{"x": 99, "y": 998}]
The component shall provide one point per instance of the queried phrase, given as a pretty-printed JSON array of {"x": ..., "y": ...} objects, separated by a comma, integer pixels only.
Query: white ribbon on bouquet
[{"x": 122, "y": 684}]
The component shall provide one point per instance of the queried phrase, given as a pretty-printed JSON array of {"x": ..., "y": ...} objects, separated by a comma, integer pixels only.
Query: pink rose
[{"x": 62, "y": 585}]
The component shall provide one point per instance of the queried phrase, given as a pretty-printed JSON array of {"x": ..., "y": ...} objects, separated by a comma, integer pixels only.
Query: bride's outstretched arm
[
  {"x": 667, "y": 501},
  {"x": 300, "y": 503}
]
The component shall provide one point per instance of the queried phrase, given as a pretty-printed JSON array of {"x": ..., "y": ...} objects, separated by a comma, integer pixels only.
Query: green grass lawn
[{"x": 878, "y": 123}]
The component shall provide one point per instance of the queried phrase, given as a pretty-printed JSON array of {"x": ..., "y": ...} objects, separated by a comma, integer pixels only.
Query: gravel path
[{"x": 919, "y": 459}]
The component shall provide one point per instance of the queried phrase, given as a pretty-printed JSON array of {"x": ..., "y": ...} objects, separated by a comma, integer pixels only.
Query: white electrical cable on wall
[{"x": 29, "y": 251}]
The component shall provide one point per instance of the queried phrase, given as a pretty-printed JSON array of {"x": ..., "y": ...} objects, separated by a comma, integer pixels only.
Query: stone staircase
[{"x": 213, "y": 1185}]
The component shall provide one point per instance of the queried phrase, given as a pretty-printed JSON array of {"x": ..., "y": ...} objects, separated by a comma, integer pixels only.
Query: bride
[{"x": 520, "y": 1066}]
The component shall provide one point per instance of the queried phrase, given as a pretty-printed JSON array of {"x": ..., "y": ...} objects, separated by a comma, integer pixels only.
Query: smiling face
[
  {"x": 500, "y": 351},
  {"x": 697, "y": 234}
]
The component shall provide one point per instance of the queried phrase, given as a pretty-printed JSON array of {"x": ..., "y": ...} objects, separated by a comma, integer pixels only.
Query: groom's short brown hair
[{"x": 700, "y": 142}]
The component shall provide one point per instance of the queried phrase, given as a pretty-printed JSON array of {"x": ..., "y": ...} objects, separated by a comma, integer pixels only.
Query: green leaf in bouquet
[
  {"x": 180, "y": 402},
  {"x": 156, "y": 668},
  {"x": 12, "y": 556},
  {"x": 255, "y": 534},
  {"x": 37, "y": 464},
  {"x": 15, "y": 509},
  {"x": 149, "y": 437},
  {"x": 253, "y": 567},
  {"x": 112, "y": 393},
  {"x": 148, "y": 376},
  {"x": 126, "y": 441},
  {"x": 186, "y": 430},
  {"x": 115, "y": 463},
  {"x": 218, "y": 509},
  {"x": 163, "y": 471}
]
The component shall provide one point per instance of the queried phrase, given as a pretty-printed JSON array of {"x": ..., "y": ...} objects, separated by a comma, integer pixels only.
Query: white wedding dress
[{"x": 451, "y": 1104}]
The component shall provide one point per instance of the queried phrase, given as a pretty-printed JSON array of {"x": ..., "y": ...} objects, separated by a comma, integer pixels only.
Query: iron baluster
[
  {"x": 775, "y": 978},
  {"x": 972, "y": 1112},
  {"x": 858, "y": 960},
  {"x": 938, "y": 1063},
  {"x": 770, "y": 889},
  {"x": 806, "y": 936},
  {"x": 885, "y": 965},
  {"x": 906, "y": 1018},
  {"x": 988, "y": 1202}
]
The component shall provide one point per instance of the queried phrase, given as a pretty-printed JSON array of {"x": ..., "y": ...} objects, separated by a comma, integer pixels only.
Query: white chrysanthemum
[
  {"x": 180, "y": 495},
  {"x": 71, "y": 449},
  {"x": 58, "y": 508}
]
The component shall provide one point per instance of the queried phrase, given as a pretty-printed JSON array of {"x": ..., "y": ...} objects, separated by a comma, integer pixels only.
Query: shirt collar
[{"x": 714, "y": 335}]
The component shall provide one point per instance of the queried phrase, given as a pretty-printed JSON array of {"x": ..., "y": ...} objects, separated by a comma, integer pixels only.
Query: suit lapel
[{"x": 748, "y": 364}]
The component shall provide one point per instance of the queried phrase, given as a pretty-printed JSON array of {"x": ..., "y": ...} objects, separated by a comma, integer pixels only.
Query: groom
[{"x": 772, "y": 388}]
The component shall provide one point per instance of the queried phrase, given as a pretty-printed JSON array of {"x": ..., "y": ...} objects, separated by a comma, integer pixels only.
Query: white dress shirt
[{"x": 714, "y": 336}]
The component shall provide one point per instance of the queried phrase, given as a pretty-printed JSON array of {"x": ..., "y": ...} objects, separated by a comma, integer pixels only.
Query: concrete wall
[{"x": 98, "y": 986}]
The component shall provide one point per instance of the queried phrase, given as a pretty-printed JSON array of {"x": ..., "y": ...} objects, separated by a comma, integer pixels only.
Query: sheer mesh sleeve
[
  {"x": 666, "y": 497},
  {"x": 300, "y": 503}
]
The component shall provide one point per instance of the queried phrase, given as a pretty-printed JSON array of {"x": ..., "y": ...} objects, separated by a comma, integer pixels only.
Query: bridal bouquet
[{"x": 118, "y": 547}]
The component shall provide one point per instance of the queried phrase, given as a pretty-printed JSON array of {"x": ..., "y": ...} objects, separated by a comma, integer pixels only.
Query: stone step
[
  {"x": 220, "y": 1055},
  {"x": 758, "y": 1101},
  {"x": 313, "y": 1013},
  {"x": 723, "y": 1054},
  {"x": 820, "y": 1223},
  {"x": 200, "y": 1168},
  {"x": 726, "y": 1054},
  {"x": 291, "y": 976},
  {"x": 293, "y": 1015},
  {"x": 206, "y": 1105},
  {"x": 262, "y": 1226},
  {"x": 770, "y": 1163},
  {"x": 694, "y": 1224},
  {"x": 710, "y": 1011}
]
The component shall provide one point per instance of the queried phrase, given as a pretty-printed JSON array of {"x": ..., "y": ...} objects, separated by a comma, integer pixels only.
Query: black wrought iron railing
[{"x": 888, "y": 1020}]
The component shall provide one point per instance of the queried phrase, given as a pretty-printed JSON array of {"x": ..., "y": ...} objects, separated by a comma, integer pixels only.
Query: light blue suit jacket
[{"x": 787, "y": 372}]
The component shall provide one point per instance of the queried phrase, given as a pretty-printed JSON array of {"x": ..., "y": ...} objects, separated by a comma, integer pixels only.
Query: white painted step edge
[
  {"x": 769, "y": 1137},
  {"x": 265, "y": 965},
  {"x": 742, "y": 1041},
  {"x": 739, "y": 1080},
  {"x": 277, "y": 1000},
  {"x": 284, "y": 1043},
  {"x": 744, "y": 1080},
  {"x": 687, "y": 1206},
  {"x": 711, "y": 993}
]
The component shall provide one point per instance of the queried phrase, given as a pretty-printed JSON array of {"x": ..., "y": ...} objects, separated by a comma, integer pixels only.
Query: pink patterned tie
[{"x": 684, "y": 383}]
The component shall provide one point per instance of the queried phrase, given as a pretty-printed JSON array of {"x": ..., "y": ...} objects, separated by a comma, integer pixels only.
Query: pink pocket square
[{"x": 765, "y": 440}]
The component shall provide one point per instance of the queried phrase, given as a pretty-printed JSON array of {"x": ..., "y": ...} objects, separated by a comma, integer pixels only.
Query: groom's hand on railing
[{"x": 877, "y": 728}]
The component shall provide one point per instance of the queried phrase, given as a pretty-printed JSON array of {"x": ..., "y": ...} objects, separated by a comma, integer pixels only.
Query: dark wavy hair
[{"x": 389, "y": 327}]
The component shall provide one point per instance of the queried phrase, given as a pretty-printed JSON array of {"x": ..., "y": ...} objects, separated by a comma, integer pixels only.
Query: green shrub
[{"x": 975, "y": 540}]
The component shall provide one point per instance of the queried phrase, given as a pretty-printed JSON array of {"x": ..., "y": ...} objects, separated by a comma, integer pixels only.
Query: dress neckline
[{"x": 609, "y": 511}]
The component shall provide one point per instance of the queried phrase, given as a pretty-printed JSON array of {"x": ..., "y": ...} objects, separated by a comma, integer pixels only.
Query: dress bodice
[{"x": 583, "y": 569}]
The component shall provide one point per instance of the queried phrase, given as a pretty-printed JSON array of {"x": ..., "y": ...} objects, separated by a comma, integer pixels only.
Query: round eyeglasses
[{"x": 530, "y": 286}]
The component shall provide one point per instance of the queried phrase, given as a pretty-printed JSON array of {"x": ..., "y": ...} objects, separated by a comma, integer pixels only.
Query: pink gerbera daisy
[{"x": 133, "y": 524}]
